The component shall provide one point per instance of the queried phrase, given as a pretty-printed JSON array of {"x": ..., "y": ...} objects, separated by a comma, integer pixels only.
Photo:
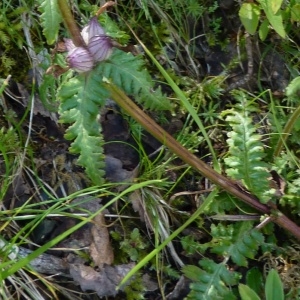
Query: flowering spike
[
  {"x": 100, "y": 47},
  {"x": 80, "y": 59}
]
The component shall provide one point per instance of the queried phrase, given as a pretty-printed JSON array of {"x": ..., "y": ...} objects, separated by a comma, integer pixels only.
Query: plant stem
[
  {"x": 71, "y": 24},
  {"x": 228, "y": 185}
]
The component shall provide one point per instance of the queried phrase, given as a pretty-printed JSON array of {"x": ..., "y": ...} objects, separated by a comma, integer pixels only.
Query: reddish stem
[{"x": 228, "y": 185}]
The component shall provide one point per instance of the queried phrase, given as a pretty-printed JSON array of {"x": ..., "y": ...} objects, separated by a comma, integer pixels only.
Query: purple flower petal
[
  {"x": 80, "y": 59},
  {"x": 69, "y": 44},
  {"x": 100, "y": 47},
  {"x": 92, "y": 29}
]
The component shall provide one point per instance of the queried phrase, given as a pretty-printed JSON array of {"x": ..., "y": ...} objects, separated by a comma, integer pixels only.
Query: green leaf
[
  {"x": 249, "y": 14},
  {"x": 263, "y": 29},
  {"x": 254, "y": 280},
  {"x": 293, "y": 89},
  {"x": 274, "y": 5},
  {"x": 274, "y": 286},
  {"x": 211, "y": 282},
  {"x": 239, "y": 241},
  {"x": 192, "y": 272},
  {"x": 80, "y": 98},
  {"x": 295, "y": 13},
  {"x": 50, "y": 19},
  {"x": 247, "y": 293},
  {"x": 47, "y": 91},
  {"x": 246, "y": 151},
  {"x": 128, "y": 73},
  {"x": 275, "y": 19}
]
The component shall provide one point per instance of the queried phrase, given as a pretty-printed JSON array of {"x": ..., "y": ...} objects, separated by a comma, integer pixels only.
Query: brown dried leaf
[
  {"x": 101, "y": 250},
  {"x": 104, "y": 282}
]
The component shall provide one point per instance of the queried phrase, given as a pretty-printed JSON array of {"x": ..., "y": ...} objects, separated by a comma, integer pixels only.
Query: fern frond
[
  {"x": 211, "y": 282},
  {"x": 246, "y": 152},
  {"x": 237, "y": 241},
  {"x": 50, "y": 19},
  {"x": 81, "y": 98},
  {"x": 126, "y": 71}
]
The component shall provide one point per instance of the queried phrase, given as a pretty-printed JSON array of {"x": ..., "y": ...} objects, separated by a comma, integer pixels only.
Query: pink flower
[
  {"x": 98, "y": 47},
  {"x": 91, "y": 29},
  {"x": 80, "y": 59}
]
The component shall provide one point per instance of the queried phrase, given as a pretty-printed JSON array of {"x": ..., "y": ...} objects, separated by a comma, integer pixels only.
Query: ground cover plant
[{"x": 149, "y": 149}]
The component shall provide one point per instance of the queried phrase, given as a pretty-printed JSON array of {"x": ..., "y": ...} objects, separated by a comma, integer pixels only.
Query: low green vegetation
[{"x": 149, "y": 149}]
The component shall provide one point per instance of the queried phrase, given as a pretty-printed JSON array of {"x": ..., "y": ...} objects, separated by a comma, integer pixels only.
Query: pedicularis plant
[
  {"x": 81, "y": 96},
  {"x": 99, "y": 70}
]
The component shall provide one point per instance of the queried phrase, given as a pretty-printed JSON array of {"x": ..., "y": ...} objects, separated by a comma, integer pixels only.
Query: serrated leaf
[
  {"x": 275, "y": 19},
  {"x": 263, "y": 29},
  {"x": 127, "y": 72},
  {"x": 246, "y": 151},
  {"x": 247, "y": 293},
  {"x": 80, "y": 99},
  {"x": 239, "y": 241},
  {"x": 274, "y": 286},
  {"x": 50, "y": 19},
  {"x": 211, "y": 282},
  {"x": 249, "y": 14}
]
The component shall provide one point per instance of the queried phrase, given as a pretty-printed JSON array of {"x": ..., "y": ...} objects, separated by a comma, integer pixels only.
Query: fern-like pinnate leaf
[
  {"x": 236, "y": 241},
  {"x": 80, "y": 99},
  {"x": 127, "y": 72},
  {"x": 50, "y": 19},
  {"x": 210, "y": 282},
  {"x": 246, "y": 151}
]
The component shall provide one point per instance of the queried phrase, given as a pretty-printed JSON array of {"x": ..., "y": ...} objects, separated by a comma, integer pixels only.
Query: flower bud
[
  {"x": 100, "y": 47},
  {"x": 92, "y": 29},
  {"x": 80, "y": 60}
]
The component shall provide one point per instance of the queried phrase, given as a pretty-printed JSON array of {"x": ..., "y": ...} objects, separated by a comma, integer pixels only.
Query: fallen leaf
[
  {"x": 101, "y": 250},
  {"x": 104, "y": 282}
]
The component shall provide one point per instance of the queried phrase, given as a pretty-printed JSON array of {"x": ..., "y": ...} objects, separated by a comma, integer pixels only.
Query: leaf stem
[{"x": 228, "y": 185}]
